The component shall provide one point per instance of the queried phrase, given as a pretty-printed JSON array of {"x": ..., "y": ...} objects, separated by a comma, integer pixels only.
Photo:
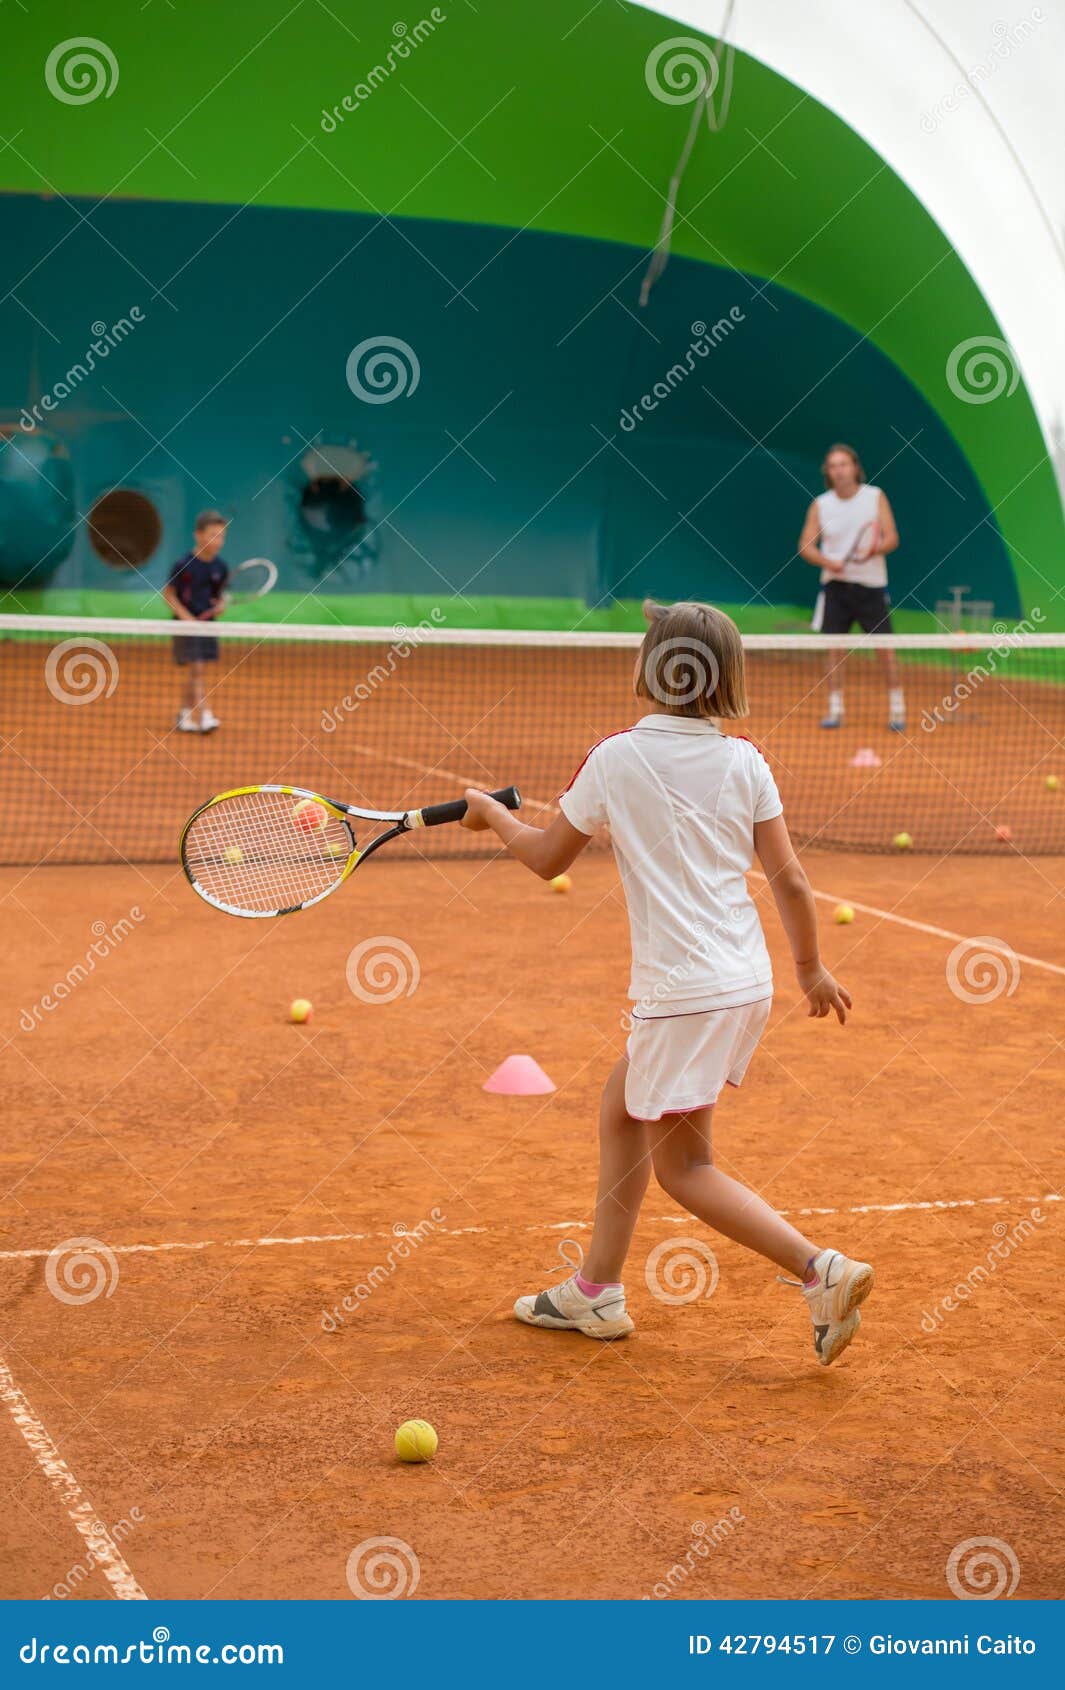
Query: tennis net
[{"x": 94, "y": 769}]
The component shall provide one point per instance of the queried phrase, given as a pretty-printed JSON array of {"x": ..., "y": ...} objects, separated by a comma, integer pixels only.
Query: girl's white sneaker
[{"x": 567, "y": 1309}]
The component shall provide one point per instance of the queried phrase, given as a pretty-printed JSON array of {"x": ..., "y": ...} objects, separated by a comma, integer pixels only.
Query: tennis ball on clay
[
  {"x": 561, "y": 883},
  {"x": 300, "y": 1010},
  {"x": 1052, "y": 783},
  {"x": 308, "y": 816},
  {"x": 903, "y": 841},
  {"x": 233, "y": 854},
  {"x": 1004, "y": 833},
  {"x": 844, "y": 915},
  {"x": 416, "y": 1440}
]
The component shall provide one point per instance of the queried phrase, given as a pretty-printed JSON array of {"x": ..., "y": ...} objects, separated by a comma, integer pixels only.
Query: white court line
[
  {"x": 936, "y": 932},
  {"x": 103, "y": 1550},
  {"x": 824, "y": 897},
  {"x": 173, "y": 1246}
]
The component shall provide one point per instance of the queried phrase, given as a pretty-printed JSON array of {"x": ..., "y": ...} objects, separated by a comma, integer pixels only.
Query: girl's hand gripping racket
[{"x": 272, "y": 850}]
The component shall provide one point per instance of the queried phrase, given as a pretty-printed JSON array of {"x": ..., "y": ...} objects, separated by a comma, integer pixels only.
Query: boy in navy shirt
[{"x": 195, "y": 592}]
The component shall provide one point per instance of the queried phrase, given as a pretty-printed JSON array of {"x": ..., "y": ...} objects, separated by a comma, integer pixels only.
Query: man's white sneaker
[
  {"x": 185, "y": 723},
  {"x": 833, "y": 1301},
  {"x": 208, "y": 721},
  {"x": 567, "y": 1309}
]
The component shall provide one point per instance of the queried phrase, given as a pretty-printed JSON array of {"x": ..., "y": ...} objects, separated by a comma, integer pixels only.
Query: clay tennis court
[{"x": 247, "y": 1175}]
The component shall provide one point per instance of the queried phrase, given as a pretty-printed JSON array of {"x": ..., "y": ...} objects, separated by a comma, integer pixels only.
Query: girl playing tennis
[{"x": 687, "y": 807}]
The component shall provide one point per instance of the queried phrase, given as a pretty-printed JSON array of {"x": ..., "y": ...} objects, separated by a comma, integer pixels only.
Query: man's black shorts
[
  {"x": 195, "y": 648},
  {"x": 841, "y": 604}
]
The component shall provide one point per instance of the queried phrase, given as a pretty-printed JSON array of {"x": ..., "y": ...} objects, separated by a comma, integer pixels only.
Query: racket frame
[
  {"x": 403, "y": 821},
  {"x": 235, "y": 593}
]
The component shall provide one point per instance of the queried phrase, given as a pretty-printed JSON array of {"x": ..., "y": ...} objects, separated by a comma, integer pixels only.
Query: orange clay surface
[{"x": 166, "y": 1101}]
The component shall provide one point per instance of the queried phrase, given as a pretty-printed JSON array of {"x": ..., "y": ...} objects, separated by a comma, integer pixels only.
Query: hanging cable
[{"x": 719, "y": 83}]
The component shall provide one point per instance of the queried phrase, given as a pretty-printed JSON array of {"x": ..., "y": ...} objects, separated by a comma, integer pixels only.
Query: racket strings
[{"x": 267, "y": 851}]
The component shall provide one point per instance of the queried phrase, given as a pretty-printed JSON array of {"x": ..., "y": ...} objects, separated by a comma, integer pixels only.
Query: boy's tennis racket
[
  {"x": 272, "y": 850},
  {"x": 252, "y": 580}
]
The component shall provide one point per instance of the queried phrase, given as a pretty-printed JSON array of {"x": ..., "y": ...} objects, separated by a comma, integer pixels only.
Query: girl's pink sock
[{"x": 590, "y": 1289}]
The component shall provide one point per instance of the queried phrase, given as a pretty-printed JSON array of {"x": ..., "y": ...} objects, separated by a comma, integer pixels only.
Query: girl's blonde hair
[{"x": 691, "y": 662}]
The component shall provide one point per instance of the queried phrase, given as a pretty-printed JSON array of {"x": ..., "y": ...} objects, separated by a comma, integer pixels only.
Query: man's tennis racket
[
  {"x": 272, "y": 850},
  {"x": 865, "y": 544},
  {"x": 251, "y": 580}
]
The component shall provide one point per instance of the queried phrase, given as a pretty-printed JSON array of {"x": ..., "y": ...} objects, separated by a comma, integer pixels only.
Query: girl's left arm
[{"x": 544, "y": 850}]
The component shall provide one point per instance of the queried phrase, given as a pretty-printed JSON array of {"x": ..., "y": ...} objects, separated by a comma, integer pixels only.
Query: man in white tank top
[{"x": 848, "y": 532}]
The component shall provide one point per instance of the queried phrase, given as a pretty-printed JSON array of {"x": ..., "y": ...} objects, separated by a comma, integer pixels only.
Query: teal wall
[{"x": 555, "y": 490}]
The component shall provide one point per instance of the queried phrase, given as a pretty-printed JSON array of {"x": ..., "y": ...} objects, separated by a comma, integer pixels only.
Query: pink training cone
[
  {"x": 866, "y": 758},
  {"x": 519, "y": 1076}
]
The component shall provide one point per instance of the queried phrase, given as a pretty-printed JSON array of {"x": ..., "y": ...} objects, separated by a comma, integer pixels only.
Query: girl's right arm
[
  {"x": 798, "y": 913},
  {"x": 545, "y": 850}
]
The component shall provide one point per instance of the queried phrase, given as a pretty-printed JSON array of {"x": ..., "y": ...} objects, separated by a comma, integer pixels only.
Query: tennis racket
[
  {"x": 864, "y": 547},
  {"x": 252, "y": 580},
  {"x": 272, "y": 850}
]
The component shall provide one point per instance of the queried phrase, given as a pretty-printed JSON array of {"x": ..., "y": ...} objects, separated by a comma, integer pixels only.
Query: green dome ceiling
[{"x": 531, "y": 119}]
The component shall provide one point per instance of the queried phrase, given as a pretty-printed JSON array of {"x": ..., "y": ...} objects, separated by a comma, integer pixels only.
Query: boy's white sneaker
[
  {"x": 208, "y": 721},
  {"x": 567, "y": 1309},
  {"x": 833, "y": 1301},
  {"x": 185, "y": 723}
]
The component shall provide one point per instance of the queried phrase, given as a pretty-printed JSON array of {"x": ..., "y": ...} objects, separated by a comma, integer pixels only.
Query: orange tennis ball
[
  {"x": 1004, "y": 833},
  {"x": 308, "y": 816},
  {"x": 300, "y": 1010},
  {"x": 561, "y": 883}
]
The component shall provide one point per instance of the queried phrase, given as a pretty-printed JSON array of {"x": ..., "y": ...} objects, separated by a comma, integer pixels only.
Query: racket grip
[{"x": 435, "y": 814}]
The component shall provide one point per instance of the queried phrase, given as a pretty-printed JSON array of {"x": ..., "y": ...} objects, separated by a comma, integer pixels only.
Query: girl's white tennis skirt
[{"x": 682, "y": 1062}]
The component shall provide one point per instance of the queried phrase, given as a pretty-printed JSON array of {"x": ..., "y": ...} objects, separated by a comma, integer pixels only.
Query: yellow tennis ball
[
  {"x": 844, "y": 915},
  {"x": 1052, "y": 783},
  {"x": 903, "y": 842},
  {"x": 561, "y": 883},
  {"x": 233, "y": 854},
  {"x": 300, "y": 1010},
  {"x": 416, "y": 1440}
]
